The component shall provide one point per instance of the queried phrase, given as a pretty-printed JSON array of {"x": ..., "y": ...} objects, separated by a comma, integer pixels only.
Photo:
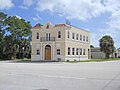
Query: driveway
[{"x": 60, "y": 76}]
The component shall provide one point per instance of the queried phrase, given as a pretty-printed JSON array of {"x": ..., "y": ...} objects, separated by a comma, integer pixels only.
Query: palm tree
[{"x": 107, "y": 45}]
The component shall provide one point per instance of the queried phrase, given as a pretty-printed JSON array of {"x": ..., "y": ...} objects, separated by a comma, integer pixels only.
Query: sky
[{"x": 100, "y": 17}]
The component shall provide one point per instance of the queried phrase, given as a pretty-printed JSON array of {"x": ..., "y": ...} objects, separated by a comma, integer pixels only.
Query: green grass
[
  {"x": 96, "y": 60},
  {"x": 22, "y": 60},
  {"x": 74, "y": 61}
]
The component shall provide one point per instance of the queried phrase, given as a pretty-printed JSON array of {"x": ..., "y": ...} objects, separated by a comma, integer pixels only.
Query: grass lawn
[
  {"x": 22, "y": 60},
  {"x": 92, "y": 60},
  {"x": 97, "y": 60}
]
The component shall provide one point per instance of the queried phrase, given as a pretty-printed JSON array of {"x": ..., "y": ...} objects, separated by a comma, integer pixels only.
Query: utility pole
[
  {"x": 79, "y": 54},
  {"x": 1, "y": 49}
]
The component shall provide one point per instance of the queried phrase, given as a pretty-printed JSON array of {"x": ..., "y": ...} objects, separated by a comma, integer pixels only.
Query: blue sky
[{"x": 100, "y": 17}]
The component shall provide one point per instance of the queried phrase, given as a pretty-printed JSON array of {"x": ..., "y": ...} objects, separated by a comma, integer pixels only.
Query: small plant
[
  {"x": 74, "y": 60},
  {"x": 67, "y": 60}
]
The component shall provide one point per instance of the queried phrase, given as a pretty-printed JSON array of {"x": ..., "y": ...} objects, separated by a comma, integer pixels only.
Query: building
[
  {"x": 118, "y": 52},
  {"x": 60, "y": 42},
  {"x": 97, "y": 54}
]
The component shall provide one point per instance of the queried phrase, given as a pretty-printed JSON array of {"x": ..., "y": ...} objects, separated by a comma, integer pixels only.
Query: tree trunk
[{"x": 107, "y": 55}]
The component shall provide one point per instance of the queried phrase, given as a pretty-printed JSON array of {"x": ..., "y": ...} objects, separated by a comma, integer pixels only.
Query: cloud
[
  {"x": 37, "y": 18},
  {"x": 94, "y": 39},
  {"x": 113, "y": 7},
  {"x": 80, "y": 9},
  {"x": 26, "y": 4},
  {"x": 6, "y": 4},
  {"x": 18, "y": 17},
  {"x": 83, "y": 10},
  {"x": 23, "y": 7},
  {"x": 113, "y": 24}
]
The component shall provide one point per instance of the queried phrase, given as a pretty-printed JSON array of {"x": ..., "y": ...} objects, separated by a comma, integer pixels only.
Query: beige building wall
[
  {"x": 77, "y": 43},
  {"x": 59, "y": 43}
]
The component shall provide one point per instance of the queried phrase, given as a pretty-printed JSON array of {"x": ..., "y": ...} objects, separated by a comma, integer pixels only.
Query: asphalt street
[{"x": 60, "y": 76}]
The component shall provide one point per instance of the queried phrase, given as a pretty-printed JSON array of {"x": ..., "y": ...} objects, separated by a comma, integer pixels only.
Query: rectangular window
[
  {"x": 73, "y": 35},
  {"x": 80, "y": 37},
  {"x": 77, "y": 51},
  {"x": 83, "y": 38},
  {"x": 58, "y": 51},
  {"x": 59, "y": 34},
  {"x": 80, "y": 51},
  {"x": 73, "y": 50},
  {"x": 83, "y": 51},
  {"x": 47, "y": 36},
  {"x": 68, "y": 50},
  {"x": 68, "y": 36},
  {"x": 86, "y": 38},
  {"x": 38, "y": 52},
  {"x": 76, "y": 36}
]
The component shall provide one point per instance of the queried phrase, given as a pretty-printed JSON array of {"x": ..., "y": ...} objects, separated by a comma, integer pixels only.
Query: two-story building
[{"x": 60, "y": 42}]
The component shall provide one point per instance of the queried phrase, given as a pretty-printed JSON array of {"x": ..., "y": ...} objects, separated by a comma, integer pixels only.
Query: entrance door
[{"x": 47, "y": 52}]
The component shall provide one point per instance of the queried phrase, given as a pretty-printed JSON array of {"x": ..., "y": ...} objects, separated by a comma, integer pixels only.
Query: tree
[
  {"x": 91, "y": 46},
  {"x": 107, "y": 45},
  {"x": 38, "y": 24},
  {"x": 20, "y": 30},
  {"x": 15, "y": 37},
  {"x": 2, "y": 32},
  {"x": 10, "y": 48}
]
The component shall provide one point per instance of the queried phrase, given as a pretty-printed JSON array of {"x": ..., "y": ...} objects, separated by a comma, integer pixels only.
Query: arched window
[
  {"x": 59, "y": 34},
  {"x": 37, "y": 36},
  {"x": 47, "y": 27}
]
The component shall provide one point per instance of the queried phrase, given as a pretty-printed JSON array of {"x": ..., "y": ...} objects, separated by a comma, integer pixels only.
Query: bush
[
  {"x": 74, "y": 60},
  {"x": 67, "y": 60}
]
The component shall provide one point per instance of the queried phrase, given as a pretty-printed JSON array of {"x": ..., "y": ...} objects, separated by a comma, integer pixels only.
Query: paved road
[{"x": 60, "y": 76}]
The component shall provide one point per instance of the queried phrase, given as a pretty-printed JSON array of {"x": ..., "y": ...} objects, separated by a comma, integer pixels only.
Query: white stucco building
[{"x": 60, "y": 42}]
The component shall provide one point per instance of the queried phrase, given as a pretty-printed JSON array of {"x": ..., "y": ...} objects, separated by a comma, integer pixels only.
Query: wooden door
[{"x": 48, "y": 52}]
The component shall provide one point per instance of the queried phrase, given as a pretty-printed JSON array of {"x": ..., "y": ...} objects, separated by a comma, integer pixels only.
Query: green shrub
[{"x": 67, "y": 60}]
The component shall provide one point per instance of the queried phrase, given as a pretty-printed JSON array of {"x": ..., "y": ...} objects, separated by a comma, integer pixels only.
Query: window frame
[
  {"x": 73, "y": 35},
  {"x": 37, "y": 52},
  {"x": 77, "y": 36},
  {"x": 80, "y": 51},
  {"x": 59, "y": 34},
  {"x": 73, "y": 51},
  {"x": 37, "y": 35},
  {"x": 80, "y": 37},
  {"x": 84, "y": 38},
  {"x": 68, "y": 34},
  {"x": 47, "y": 27},
  {"x": 58, "y": 51},
  {"x": 68, "y": 50},
  {"x": 77, "y": 51},
  {"x": 83, "y": 51}
]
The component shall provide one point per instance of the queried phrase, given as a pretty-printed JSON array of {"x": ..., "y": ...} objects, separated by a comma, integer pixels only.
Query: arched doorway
[{"x": 47, "y": 52}]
